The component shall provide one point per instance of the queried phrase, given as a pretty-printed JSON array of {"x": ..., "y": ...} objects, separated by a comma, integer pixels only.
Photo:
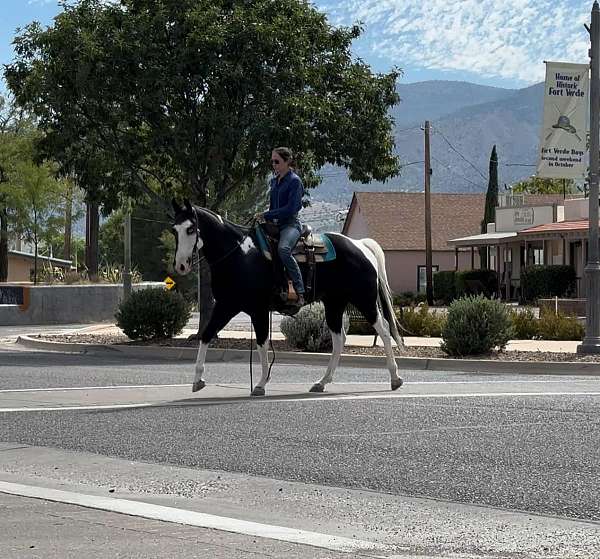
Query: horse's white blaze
[
  {"x": 262, "y": 352},
  {"x": 185, "y": 247},
  {"x": 339, "y": 340},
  {"x": 247, "y": 245},
  {"x": 200, "y": 362}
]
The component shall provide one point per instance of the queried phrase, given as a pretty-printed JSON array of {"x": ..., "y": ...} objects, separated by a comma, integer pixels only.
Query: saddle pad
[{"x": 324, "y": 249}]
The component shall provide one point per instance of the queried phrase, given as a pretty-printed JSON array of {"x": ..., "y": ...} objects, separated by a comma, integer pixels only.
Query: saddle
[
  {"x": 309, "y": 250},
  {"x": 308, "y": 245}
]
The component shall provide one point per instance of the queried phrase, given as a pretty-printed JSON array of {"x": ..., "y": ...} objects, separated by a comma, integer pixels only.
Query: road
[{"x": 454, "y": 465}]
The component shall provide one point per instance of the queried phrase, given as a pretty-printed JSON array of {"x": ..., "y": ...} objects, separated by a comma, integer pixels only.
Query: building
[
  {"x": 21, "y": 265},
  {"x": 396, "y": 220}
]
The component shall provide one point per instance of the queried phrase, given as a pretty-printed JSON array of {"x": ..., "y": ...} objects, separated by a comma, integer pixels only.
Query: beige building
[
  {"x": 21, "y": 265},
  {"x": 396, "y": 220}
]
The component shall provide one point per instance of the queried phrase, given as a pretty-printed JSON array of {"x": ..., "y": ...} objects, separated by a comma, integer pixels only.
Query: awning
[{"x": 485, "y": 239}]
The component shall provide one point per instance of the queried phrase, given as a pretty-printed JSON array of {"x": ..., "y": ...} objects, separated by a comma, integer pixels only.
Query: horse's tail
[{"x": 384, "y": 291}]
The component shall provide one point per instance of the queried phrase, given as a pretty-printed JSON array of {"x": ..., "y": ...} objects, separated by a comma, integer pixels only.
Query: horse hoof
[
  {"x": 199, "y": 385},
  {"x": 397, "y": 384},
  {"x": 317, "y": 387},
  {"x": 258, "y": 391}
]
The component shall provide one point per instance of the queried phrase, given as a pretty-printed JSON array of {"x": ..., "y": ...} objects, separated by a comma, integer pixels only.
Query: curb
[{"x": 302, "y": 358}]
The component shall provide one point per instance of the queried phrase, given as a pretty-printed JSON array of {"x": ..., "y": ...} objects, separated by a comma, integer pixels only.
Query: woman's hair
[{"x": 285, "y": 154}]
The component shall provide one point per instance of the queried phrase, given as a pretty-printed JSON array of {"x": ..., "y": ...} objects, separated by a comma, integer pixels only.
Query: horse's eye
[{"x": 190, "y": 230}]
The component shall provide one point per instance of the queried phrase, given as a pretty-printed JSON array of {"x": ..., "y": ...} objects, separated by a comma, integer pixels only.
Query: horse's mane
[{"x": 241, "y": 229}]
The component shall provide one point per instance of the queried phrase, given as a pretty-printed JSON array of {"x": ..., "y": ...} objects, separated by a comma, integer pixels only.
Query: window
[{"x": 422, "y": 277}]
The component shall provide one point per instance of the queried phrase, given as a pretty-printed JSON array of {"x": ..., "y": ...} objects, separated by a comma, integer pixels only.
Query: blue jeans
[{"x": 288, "y": 237}]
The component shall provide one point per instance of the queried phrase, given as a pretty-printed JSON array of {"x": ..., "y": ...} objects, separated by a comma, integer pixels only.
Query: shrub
[
  {"x": 418, "y": 321},
  {"x": 476, "y": 325},
  {"x": 560, "y": 327},
  {"x": 153, "y": 313},
  {"x": 358, "y": 325},
  {"x": 547, "y": 281},
  {"x": 308, "y": 330},
  {"x": 444, "y": 286},
  {"x": 476, "y": 282},
  {"x": 525, "y": 324},
  {"x": 407, "y": 298}
]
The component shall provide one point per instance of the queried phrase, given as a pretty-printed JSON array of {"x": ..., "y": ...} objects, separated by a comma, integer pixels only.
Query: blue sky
[{"x": 493, "y": 43}]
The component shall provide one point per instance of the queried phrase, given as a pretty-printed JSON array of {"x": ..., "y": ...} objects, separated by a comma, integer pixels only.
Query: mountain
[{"x": 466, "y": 121}]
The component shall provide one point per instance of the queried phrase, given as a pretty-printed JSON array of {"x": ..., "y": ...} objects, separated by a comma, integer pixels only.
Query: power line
[
  {"x": 458, "y": 152},
  {"x": 456, "y": 173}
]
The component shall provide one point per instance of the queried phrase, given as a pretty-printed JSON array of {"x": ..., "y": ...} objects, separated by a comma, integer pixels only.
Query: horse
[{"x": 243, "y": 280}]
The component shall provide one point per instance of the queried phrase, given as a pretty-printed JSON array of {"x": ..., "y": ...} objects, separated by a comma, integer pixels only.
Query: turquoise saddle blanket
[{"x": 321, "y": 244}]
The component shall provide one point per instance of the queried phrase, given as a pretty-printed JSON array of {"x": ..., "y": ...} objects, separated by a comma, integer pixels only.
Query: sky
[{"x": 501, "y": 44}]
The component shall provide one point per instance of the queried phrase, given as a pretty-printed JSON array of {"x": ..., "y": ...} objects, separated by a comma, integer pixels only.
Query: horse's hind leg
[
  {"x": 382, "y": 328},
  {"x": 334, "y": 315}
]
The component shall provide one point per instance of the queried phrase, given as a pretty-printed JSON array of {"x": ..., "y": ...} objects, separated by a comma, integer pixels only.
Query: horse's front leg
[
  {"x": 260, "y": 321},
  {"x": 220, "y": 317}
]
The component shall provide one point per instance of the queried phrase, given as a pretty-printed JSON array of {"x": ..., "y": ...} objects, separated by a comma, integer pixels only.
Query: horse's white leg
[
  {"x": 339, "y": 341},
  {"x": 199, "y": 383},
  {"x": 259, "y": 389},
  {"x": 261, "y": 326},
  {"x": 382, "y": 328}
]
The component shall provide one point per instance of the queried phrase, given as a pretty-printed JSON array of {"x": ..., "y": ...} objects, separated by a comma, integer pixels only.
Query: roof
[
  {"x": 483, "y": 239},
  {"x": 558, "y": 227},
  {"x": 396, "y": 219},
  {"x": 40, "y": 257}
]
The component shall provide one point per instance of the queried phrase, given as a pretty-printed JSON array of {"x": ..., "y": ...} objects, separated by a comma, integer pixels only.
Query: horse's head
[{"x": 187, "y": 237}]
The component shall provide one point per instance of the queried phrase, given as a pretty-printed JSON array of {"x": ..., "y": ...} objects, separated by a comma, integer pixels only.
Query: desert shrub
[
  {"x": 153, "y": 313},
  {"x": 476, "y": 282},
  {"x": 113, "y": 273},
  {"x": 476, "y": 325},
  {"x": 407, "y": 298},
  {"x": 553, "y": 326},
  {"x": 418, "y": 321},
  {"x": 444, "y": 288},
  {"x": 547, "y": 281},
  {"x": 525, "y": 324},
  {"x": 308, "y": 330}
]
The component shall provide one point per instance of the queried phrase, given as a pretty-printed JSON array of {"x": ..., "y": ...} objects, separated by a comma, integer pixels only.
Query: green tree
[
  {"x": 188, "y": 97},
  {"x": 537, "y": 185},
  {"x": 491, "y": 201}
]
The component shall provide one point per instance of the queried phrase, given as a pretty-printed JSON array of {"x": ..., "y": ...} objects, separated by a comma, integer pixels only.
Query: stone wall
[{"x": 63, "y": 304}]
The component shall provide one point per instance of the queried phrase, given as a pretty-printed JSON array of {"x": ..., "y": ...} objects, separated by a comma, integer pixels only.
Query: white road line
[
  {"x": 192, "y": 518},
  {"x": 297, "y": 398},
  {"x": 124, "y": 386}
]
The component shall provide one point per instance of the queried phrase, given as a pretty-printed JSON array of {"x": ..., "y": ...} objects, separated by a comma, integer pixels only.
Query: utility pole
[
  {"x": 127, "y": 256},
  {"x": 591, "y": 341},
  {"x": 428, "y": 256}
]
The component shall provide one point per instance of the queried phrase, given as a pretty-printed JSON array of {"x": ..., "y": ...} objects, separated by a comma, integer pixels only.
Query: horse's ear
[
  {"x": 176, "y": 206},
  {"x": 188, "y": 205}
]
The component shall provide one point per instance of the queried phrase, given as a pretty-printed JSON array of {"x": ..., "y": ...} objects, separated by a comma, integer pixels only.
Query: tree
[
  {"x": 491, "y": 201},
  {"x": 188, "y": 97},
  {"x": 537, "y": 185}
]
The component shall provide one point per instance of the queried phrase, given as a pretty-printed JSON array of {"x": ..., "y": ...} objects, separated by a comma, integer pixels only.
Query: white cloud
[{"x": 509, "y": 39}]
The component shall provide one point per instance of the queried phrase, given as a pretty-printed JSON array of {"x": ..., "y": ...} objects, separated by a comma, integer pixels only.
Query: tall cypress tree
[{"x": 491, "y": 201}]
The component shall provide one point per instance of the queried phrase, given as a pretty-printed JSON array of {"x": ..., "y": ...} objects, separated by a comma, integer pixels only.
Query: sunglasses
[{"x": 275, "y": 161}]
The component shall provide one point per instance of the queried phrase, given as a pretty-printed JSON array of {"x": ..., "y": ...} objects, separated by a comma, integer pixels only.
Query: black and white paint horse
[{"x": 243, "y": 280}]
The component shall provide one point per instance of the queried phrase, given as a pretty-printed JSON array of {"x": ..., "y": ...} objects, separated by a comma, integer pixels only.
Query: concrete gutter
[{"x": 322, "y": 359}]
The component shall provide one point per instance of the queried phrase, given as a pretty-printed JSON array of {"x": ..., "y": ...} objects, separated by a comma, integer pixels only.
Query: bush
[
  {"x": 476, "y": 282},
  {"x": 525, "y": 324},
  {"x": 418, "y": 321},
  {"x": 308, "y": 330},
  {"x": 408, "y": 298},
  {"x": 153, "y": 313},
  {"x": 560, "y": 327},
  {"x": 547, "y": 281},
  {"x": 358, "y": 325},
  {"x": 476, "y": 325},
  {"x": 444, "y": 288}
]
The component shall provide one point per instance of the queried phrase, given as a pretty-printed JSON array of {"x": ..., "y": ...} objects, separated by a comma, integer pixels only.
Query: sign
[
  {"x": 563, "y": 149},
  {"x": 169, "y": 282},
  {"x": 523, "y": 216}
]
